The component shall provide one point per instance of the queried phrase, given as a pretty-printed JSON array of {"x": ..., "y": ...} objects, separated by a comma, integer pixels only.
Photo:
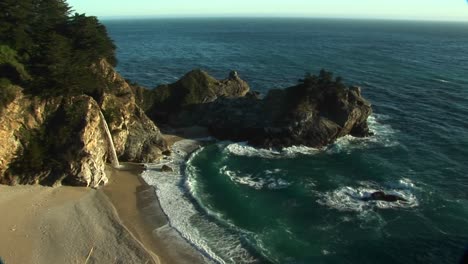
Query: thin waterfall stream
[{"x": 113, "y": 158}]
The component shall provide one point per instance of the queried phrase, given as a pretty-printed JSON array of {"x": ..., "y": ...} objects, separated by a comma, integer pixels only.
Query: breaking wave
[
  {"x": 266, "y": 180},
  {"x": 384, "y": 136},
  {"x": 213, "y": 240},
  {"x": 353, "y": 198}
]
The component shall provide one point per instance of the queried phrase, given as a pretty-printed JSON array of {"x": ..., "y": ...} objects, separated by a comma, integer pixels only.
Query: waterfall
[{"x": 113, "y": 158}]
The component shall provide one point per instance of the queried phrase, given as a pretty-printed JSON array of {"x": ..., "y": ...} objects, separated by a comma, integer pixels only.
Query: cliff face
[
  {"x": 62, "y": 140},
  {"x": 52, "y": 141},
  {"x": 136, "y": 137},
  {"x": 313, "y": 113}
]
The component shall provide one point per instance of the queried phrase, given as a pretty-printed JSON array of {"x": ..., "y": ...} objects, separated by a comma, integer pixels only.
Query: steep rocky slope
[{"x": 62, "y": 140}]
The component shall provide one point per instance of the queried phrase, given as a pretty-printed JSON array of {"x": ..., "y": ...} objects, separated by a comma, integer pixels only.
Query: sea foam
[
  {"x": 349, "y": 198},
  {"x": 266, "y": 180},
  {"x": 243, "y": 149},
  {"x": 215, "y": 241},
  {"x": 384, "y": 136}
]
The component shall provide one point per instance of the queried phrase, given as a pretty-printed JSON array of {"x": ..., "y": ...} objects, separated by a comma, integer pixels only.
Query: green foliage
[
  {"x": 10, "y": 67},
  {"x": 34, "y": 157},
  {"x": 48, "y": 51},
  {"x": 7, "y": 92}
]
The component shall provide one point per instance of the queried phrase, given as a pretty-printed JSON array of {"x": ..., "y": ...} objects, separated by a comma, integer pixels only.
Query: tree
[
  {"x": 10, "y": 67},
  {"x": 15, "y": 24},
  {"x": 41, "y": 38},
  {"x": 90, "y": 39}
]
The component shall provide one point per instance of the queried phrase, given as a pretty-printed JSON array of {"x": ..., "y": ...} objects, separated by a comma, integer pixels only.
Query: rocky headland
[
  {"x": 314, "y": 113},
  {"x": 62, "y": 139}
]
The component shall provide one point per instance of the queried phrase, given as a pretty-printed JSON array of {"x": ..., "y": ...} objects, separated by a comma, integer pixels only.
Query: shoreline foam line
[
  {"x": 150, "y": 167},
  {"x": 218, "y": 244}
]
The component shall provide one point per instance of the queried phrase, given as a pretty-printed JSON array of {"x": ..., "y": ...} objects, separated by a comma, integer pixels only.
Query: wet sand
[{"x": 138, "y": 208}]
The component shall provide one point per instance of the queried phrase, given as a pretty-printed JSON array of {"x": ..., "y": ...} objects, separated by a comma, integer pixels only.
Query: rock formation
[
  {"x": 196, "y": 87},
  {"x": 313, "y": 113},
  {"x": 62, "y": 140},
  {"x": 382, "y": 196},
  {"x": 136, "y": 137}
]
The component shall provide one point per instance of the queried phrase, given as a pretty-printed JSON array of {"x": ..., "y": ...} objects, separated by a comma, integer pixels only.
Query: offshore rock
[
  {"x": 313, "y": 113},
  {"x": 196, "y": 87}
]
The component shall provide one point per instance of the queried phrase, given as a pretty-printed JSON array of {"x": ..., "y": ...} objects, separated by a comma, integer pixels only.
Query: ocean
[{"x": 239, "y": 204}]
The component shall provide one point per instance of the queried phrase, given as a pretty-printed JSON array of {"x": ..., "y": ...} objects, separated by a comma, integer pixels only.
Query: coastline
[
  {"x": 139, "y": 209},
  {"x": 122, "y": 221}
]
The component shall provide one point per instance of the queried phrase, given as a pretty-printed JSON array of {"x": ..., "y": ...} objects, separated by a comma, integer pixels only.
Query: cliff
[
  {"x": 313, "y": 113},
  {"x": 62, "y": 139},
  {"x": 195, "y": 87}
]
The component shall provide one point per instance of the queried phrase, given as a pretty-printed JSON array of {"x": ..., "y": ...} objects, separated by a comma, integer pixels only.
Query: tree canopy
[{"x": 48, "y": 50}]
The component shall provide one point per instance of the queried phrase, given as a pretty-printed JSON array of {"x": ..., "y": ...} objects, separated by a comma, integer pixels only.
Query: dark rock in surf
[
  {"x": 382, "y": 196},
  {"x": 166, "y": 168},
  {"x": 166, "y": 153}
]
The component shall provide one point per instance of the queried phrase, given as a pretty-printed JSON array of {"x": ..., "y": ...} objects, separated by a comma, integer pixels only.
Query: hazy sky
[{"x": 392, "y": 9}]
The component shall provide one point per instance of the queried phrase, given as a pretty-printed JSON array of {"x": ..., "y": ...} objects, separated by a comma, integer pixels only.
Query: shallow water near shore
[{"x": 239, "y": 204}]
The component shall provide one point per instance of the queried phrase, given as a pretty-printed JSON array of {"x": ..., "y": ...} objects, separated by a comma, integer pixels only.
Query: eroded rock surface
[
  {"x": 62, "y": 140},
  {"x": 313, "y": 113}
]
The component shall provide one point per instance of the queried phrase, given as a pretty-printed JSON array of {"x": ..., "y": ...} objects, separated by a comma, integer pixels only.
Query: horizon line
[{"x": 227, "y": 16}]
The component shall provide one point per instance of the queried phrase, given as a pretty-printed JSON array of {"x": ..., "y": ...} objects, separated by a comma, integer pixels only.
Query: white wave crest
[
  {"x": 352, "y": 198},
  {"x": 215, "y": 241},
  {"x": 384, "y": 135},
  {"x": 267, "y": 181},
  {"x": 243, "y": 149}
]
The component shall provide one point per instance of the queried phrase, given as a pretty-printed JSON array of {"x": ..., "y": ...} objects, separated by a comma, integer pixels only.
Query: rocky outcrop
[
  {"x": 62, "y": 140},
  {"x": 53, "y": 141},
  {"x": 136, "y": 137},
  {"x": 313, "y": 113},
  {"x": 196, "y": 87}
]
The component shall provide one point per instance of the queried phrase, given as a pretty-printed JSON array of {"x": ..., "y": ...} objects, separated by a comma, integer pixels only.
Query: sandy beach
[
  {"x": 64, "y": 225},
  {"x": 119, "y": 223}
]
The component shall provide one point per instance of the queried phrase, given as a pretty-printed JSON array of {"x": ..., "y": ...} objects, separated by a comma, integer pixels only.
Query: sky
[{"x": 384, "y": 9}]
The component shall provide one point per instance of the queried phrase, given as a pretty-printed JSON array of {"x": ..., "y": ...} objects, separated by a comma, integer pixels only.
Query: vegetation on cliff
[
  {"x": 47, "y": 50},
  {"x": 56, "y": 77},
  {"x": 315, "y": 112}
]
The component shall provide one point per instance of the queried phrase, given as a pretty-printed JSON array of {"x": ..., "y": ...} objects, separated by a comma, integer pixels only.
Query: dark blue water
[{"x": 303, "y": 205}]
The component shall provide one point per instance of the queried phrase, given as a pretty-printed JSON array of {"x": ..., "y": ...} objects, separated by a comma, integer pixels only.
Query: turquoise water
[{"x": 302, "y": 205}]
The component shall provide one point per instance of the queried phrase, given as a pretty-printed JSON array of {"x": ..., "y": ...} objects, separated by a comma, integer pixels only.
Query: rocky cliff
[
  {"x": 195, "y": 87},
  {"x": 313, "y": 113},
  {"x": 62, "y": 140}
]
